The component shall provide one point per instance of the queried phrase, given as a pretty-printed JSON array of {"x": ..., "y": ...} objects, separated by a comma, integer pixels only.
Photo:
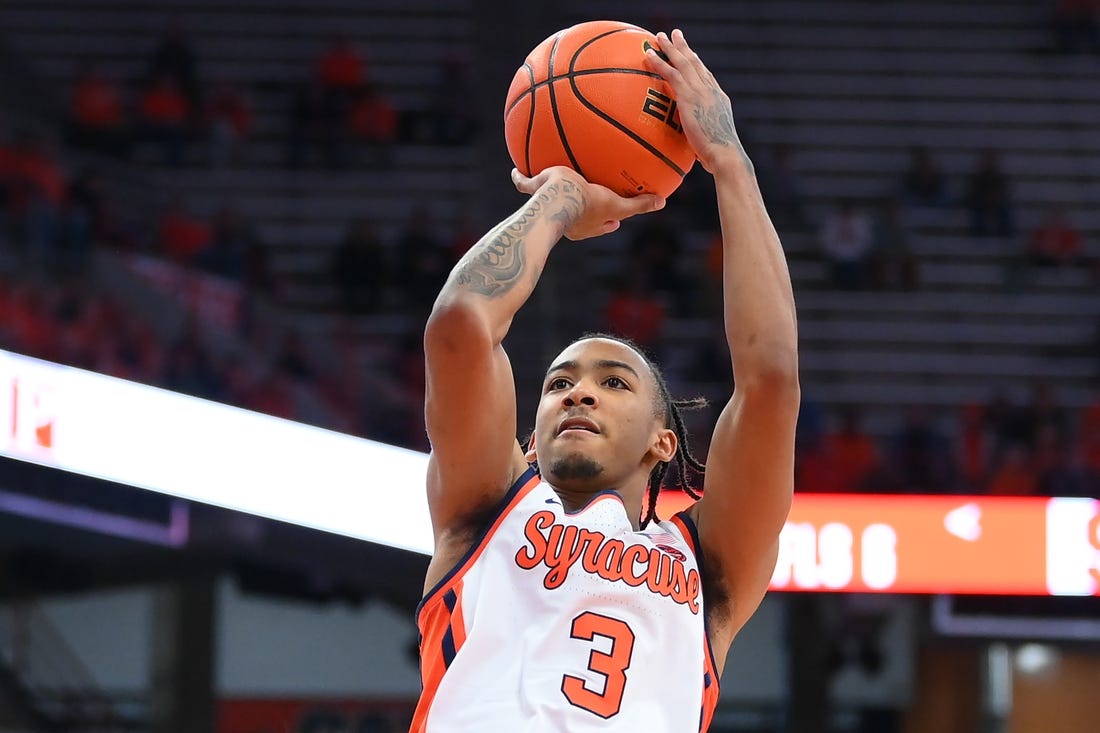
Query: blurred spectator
[
  {"x": 453, "y": 104},
  {"x": 174, "y": 58},
  {"x": 852, "y": 451},
  {"x": 989, "y": 198},
  {"x": 657, "y": 248},
  {"x": 310, "y": 128},
  {"x": 1056, "y": 242},
  {"x": 229, "y": 121},
  {"x": 36, "y": 193},
  {"x": 1042, "y": 413},
  {"x": 893, "y": 265},
  {"x": 341, "y": 68},
  {"x": 372, "y": 123},
  {"x": 422, "y": 264},
  {"x": 782, "y": 189},
  {"x": 464, "y": 235},
  {"x": 360, "y": 269},
  {"x": 1076, "y": 25},
  {"x": 232, "y": 242},
  {"x": 1014, "y": 474},
  {"x": 1089, "y": 436},
  {"x": 98, "y": 113},
  {"x": 341, "y": 72},
  {"x": 922, "y": 455},
  {"x": 923, "y": 182},
  {"x": 188, "y": 368},
  {"x": 293, "y": 359},
  {"x": 634, "y": 310},
  {"x": 164, "y": 119},
  {"x": 182, "y": 236},
  {"x": 976, "y": 444},
  {"x": 846, "y": 241}
]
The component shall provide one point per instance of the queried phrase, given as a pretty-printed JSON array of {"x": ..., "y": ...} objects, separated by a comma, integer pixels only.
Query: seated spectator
[
  {"x": 37, "y": 192},
  {"x": 422, "y": 265},
  {"x": 1056, "y": 242},
  {"x": 989, "y": 198},
  {"x": 97, "y": 113},
  {"x": 231, "y": 243},
  {"x": 1076, "y": 25},
  {"x": 1014, "y": 475},
  {"x": 658, "y": 248},
  {"x": 189, "y": 369},
  {"x": 229, "y": 119},
  {"x": 310, "y": 128},
  {"x": 922, "y": 455},
  {"x": 893, "y": 265},
  {"x": 341, "y": 71},
  {"x": 454, "y": 121},
  {"x": 782, "y": 189},
  {"x": 975, "y": 447},
  {"x": 182, "y": 236},
  {"x": 164, "y": 119},
  {"x": 852, "y": 451},
  {"x": 174, "y": 57},
  {"x": 846, "y": 242},
  {"x": 1089, "y": 436},
  {"x": 372, "y": 123},
  {"x": 634, "y": 310},
  {"x": 360, "y": 269},
  {"x": 923, "y": 183}
]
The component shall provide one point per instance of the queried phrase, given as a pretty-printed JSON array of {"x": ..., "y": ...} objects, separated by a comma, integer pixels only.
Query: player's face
[{"x": 596, "y": 421}]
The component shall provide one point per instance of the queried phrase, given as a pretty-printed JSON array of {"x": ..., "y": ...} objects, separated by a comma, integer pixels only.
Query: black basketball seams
[
  {"x": 554, "y": 109},
  {"x": 615, "y": 123},
  {"x": 571, "y": 74},
  {"x": 530, "y": 120}
]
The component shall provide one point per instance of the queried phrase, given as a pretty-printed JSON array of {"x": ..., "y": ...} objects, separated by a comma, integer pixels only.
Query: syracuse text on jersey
[{"x": 560, "y": 546}]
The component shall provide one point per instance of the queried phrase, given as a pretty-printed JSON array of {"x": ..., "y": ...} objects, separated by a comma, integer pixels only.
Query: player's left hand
[{"x": 705, "y": 110}]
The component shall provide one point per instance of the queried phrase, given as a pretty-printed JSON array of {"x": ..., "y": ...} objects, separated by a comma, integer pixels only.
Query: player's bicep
[
  {"x": 748, "y": 489},
  {"x": 470, "y": 415}
]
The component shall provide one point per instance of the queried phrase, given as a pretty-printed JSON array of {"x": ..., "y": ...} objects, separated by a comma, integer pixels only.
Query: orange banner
[{"x": 936, "y": 544}]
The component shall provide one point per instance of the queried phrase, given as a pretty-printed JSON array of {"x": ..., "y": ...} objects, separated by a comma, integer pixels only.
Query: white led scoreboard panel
[{"x": 207, "y": 452}]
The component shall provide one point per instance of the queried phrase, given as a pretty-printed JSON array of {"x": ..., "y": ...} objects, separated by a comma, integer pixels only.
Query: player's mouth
[{"x": 577, "y": 426}]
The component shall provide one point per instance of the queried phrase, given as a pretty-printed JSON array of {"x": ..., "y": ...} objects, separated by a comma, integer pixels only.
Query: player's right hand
[{"x": 588, "y": 209}]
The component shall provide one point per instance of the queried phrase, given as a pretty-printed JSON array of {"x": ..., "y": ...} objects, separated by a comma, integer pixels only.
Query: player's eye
[
  {"x": 616, "y": 383},
  {"x": 558, "y": 383}
]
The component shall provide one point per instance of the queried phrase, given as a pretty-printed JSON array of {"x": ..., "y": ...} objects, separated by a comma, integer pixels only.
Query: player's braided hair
[{"x": 672, "y": 411}]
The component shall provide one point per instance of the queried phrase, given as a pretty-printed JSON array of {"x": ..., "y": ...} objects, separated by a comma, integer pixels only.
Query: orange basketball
[{"x": 585, "y": 99}]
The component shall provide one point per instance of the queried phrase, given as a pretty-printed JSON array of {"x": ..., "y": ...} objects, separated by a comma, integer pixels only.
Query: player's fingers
[
  {"x": 640, "y": 204},
  {"x": 675, "y": 56},
  {"x": 527, "y": 184},
  {"x": 677, "y": 48},
  {"x": 661, "y": 66}
]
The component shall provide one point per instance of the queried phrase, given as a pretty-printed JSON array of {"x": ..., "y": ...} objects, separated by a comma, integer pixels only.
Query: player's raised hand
[
  {"x": 705, "y": 110},
  {"x": 588, "y": 209}
]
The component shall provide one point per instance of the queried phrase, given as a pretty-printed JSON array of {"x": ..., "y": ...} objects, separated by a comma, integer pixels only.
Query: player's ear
[
  {"x": 664, "y": 445},
  {"x": 531, "y": 455}
]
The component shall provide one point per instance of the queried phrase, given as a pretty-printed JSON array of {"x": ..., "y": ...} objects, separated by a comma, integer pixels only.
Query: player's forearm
[
  {"x": 761, "y": 326},
  {"x": 497, "y": 276}
]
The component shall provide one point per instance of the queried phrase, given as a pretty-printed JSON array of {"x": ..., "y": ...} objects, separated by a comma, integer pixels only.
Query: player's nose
[{"x": 581, "y": 394}]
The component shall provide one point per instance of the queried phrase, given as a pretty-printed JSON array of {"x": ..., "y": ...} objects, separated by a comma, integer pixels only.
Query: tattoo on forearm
[
  {"x": 498, "y": 262},
  {"x": 717, "y": 123}
]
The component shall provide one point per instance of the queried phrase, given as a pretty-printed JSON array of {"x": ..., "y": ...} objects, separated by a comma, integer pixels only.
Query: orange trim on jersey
[
  {"x": 442, "y": 622},
  {"x": 456, "y": 573},
  {"x": 442, "y": 634},
  {"x": 711, "y": 681}
]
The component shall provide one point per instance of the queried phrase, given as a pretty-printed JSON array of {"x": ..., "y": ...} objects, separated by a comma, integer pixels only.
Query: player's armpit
[
  {"x": 470, "y": 414},
  {"x": 748, "y": 490}
]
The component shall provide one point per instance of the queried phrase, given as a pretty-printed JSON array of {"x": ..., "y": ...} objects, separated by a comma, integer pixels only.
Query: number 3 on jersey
[{"x": 611, "y": 665}]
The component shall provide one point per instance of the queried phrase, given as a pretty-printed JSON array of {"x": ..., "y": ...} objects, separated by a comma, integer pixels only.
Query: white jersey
[{"x": 568, "y": 621}]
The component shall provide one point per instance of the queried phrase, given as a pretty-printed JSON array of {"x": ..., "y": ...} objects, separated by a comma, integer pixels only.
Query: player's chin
[{"x": 574, "y": 466}]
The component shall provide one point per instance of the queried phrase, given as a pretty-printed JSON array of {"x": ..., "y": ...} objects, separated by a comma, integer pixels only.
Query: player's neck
[{"x": 576, "y": 500}]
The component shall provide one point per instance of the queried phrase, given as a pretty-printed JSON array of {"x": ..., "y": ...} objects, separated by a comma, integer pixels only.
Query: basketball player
[{"x": 551, "y": 603}]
